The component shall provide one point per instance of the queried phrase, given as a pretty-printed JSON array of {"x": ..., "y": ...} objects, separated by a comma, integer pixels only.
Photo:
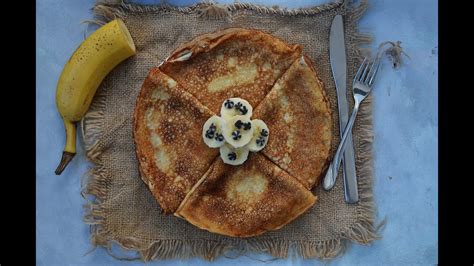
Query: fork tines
[{"x": 368, "y": 70}]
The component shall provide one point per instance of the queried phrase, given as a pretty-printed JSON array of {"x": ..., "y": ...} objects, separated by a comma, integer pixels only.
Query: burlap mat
[{"x": 120, "y": 207}]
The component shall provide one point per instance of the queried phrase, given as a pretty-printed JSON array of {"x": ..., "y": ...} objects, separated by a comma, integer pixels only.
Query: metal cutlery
[
  {"x": 337, "y": 56},
  {"x": 361, "y": 87}
]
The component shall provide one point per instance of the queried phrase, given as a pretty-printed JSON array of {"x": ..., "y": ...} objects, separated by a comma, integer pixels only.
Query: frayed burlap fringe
[
  {"x": 106, "y": 10},
  {"x": 94, "y": 187},
  {"x": 92, "y": 130}
]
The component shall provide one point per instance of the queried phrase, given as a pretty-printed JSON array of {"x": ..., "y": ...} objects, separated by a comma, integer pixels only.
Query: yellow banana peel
[{"x": 102, "y": 51}]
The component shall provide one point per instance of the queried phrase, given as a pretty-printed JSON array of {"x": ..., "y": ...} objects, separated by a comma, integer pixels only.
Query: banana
[
  {"x": 233, "y": 156},
  {"x": 235, "y": 106},
  {"x": 212, "y": 131},
  {"x": 234, "y": 133},
  {"x": 81, "y": 76},
  {"x": 238, "y": 131},
  {"x": 260, "y": 136}
]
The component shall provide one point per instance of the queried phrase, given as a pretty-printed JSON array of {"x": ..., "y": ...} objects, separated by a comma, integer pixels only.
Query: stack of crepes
[{"x": 272, "y": 187}]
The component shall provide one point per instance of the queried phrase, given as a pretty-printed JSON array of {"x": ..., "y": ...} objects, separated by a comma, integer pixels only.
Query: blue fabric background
[{"x": 406, "y": 149}]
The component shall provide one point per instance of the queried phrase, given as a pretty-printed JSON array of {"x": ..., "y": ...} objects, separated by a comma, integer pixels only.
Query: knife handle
[{"x": 351, "y": 191}]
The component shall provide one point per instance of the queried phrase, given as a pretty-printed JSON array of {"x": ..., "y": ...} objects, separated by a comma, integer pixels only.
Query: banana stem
[{"x": 70, "y": 147}]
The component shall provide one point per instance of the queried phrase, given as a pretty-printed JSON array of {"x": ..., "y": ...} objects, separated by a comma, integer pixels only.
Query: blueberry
[
  {"x": 260, "y": 141},
  {"x": 212, "y": 127},
  {"x": 219, "y": 137},
  {"x": 209, "y": 134},
  {"x": 232, "y": 156},
  {"x": 238, "y": 106},
  {"x": 236, "y": 135},
  {"x": 264, "y": 133},
  {"x": 229, "y": 104},
  {"x": 238, "y": 124},
  {"x": 243, "y": 110},
  {"x": 247, "y": 126}
]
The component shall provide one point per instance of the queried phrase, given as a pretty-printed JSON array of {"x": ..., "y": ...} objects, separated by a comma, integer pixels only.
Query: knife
[{"x": 337, "y": 55}]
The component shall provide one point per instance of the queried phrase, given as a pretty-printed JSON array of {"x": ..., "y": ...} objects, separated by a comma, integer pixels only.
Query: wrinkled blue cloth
[{"x": 405, "y": 143}]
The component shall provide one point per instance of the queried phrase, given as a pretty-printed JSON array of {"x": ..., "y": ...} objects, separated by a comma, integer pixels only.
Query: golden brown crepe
[
  {"x": 272, "y": 187},
  {"x": 167, "y": 130},
  {"x": 247, "y": 200},
  {"x": 298, "y": 114},
  {"x": 230, "y": 63}
]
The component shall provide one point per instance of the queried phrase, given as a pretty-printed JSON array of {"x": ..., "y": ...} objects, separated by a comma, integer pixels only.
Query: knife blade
[{"x": 337, "y": 55}]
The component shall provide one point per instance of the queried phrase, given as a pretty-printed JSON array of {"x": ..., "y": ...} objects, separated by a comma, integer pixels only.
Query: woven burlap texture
[{"x": 121, "y": 209}]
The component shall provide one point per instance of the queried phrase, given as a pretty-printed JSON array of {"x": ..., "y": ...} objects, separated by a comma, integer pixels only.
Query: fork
[{"x": 361, "y": 87}]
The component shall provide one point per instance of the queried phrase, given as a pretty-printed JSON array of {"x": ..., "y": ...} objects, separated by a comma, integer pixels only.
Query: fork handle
[{"x": 330, "y": 178}]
